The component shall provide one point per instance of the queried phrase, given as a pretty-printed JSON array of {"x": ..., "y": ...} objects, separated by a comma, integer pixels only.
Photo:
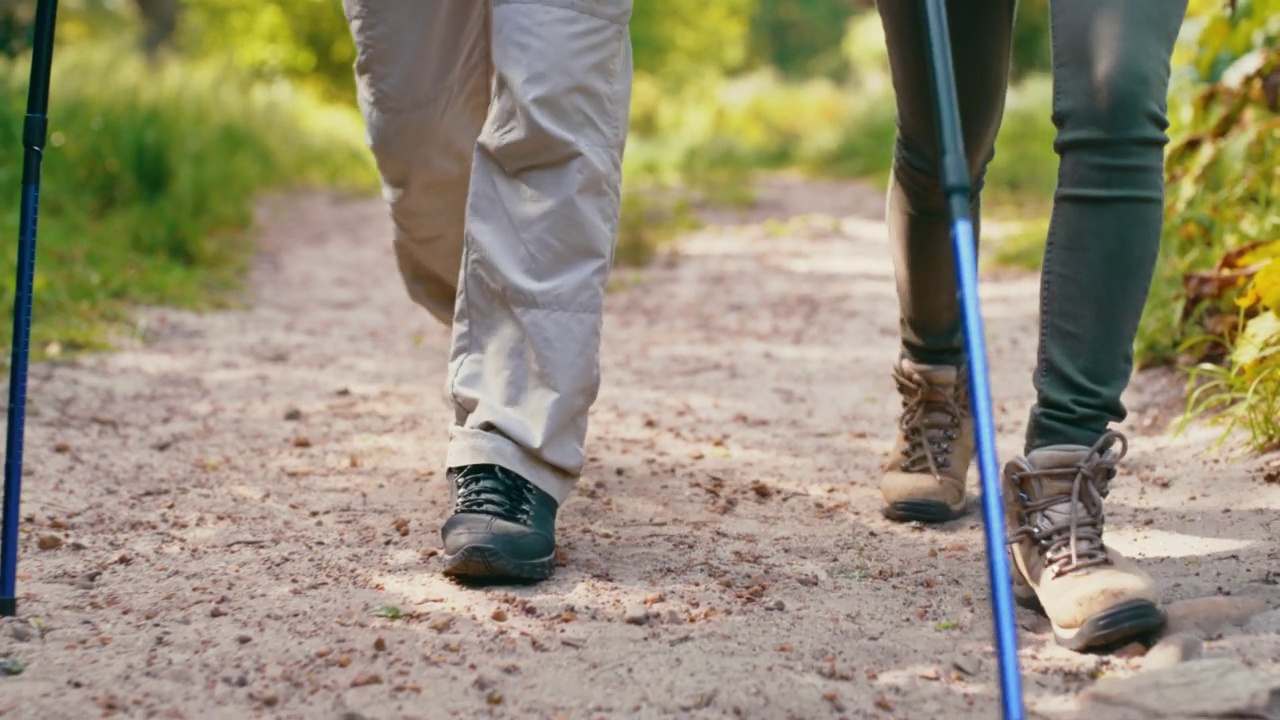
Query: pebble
[
  {"x": 1132, "y": 650},
  {"x": 637, "y": 614},
  {"x": 672, "y": 617},
  {"x": 23, "y": 633},
  {"x": 293, "y": 414},
  {"x": 966, "y": 665},
  {"x": 776, "y": 605},
  {"x": 49, "y": 542},
  {"x": 243, "y": 639},
  {"x": 380, "y": 645},
  {"x": 369, "y": 679},
  {"x": 1173, "y": 649}
]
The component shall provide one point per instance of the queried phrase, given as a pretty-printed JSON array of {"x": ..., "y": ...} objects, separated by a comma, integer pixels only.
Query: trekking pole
[
  {"x": 955, "y": 182},
  {"x": 34, "y": 129}
]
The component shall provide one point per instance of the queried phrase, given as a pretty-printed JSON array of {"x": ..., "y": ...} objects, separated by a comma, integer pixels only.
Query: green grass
[{"x": 148, "y": 184}]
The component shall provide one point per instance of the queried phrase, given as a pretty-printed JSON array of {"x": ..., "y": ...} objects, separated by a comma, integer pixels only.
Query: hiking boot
[
  {"x": 502, "y": 527},
  {"x": 1094, "y": 596},
  {"x": 924, "y": 479}
]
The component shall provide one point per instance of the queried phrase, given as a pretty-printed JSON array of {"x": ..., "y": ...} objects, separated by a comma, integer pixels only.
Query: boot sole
[
  {"x": 1122, "y": 624},
  {"x": 484, "y": 563},
  {"x": 925, "y": 511}
]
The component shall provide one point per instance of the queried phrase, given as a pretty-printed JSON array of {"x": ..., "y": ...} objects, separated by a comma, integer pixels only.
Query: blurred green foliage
[
  {"x": 151, "y": 171},
  {"x": 1216, "y": 295}
]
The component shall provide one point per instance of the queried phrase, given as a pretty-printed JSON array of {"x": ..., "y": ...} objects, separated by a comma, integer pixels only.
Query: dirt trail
[{"x": 227, "y": 497}]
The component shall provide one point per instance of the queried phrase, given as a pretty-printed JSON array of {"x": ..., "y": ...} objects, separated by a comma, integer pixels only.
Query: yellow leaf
[
  {"x": 1267, "y": 285},
  {"x": 1249, "y": 299},
  {"x": 1260, "y": 333}
]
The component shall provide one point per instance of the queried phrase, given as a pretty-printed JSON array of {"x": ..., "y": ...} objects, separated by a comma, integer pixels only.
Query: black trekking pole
[
  {"x": 955, "y": 182},
  {"x": 34, "y": 130}
]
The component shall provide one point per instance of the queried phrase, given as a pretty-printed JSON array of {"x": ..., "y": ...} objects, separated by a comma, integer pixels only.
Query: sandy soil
[{"x": 236, "y": 499}]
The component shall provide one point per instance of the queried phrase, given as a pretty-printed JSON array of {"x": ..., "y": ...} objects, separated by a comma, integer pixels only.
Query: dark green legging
[{"x": 1110, "y": 85}]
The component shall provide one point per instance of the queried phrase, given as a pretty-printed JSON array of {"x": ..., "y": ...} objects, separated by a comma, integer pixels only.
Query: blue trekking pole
[
  {"x": 34, "y": 129},
  {"x": 955, "y": 183}
]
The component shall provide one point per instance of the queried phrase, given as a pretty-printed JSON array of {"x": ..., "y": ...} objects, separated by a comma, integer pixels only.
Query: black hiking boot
[{"x": 502, "y": 527}]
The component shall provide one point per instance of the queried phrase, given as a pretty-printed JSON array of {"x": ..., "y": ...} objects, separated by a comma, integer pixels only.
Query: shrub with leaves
[{"x": 1217, "y": 292}]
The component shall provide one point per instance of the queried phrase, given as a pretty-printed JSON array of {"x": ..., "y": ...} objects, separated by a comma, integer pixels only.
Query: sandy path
[{"x": 220, "y": 560}]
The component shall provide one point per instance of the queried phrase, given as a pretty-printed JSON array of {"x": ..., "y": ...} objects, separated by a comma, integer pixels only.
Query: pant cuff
[{"x": 477, "y": 447}]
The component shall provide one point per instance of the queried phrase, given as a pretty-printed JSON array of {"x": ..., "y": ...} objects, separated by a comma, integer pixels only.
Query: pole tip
[{"x": 8, "y": 607}]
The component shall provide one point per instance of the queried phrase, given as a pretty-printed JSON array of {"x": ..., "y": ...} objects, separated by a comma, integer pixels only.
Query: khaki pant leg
[
  {"x": 423, "y": 72},
  {"x": 541, "y": 222}
]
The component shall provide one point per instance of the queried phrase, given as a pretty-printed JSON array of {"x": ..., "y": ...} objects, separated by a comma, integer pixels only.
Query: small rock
[
  {"x": 352, "y": 715},
  {"x": 1211, "y": 688},
  {"x": 776, "y": 605},
  {"x": 368, "y": 679},
  {"x": 499, "y": 615},
  {"x": 636, "y": 614},
  {"x": 302, "y": 442},
  {"x": 966, "y": 665},
  {"x": 380, "y": 645},
  {"x": 1132, "y": 650},
  {"x": 49, "y": 542},
  {"x": 23, "y": 633},
  {"x": 270, "y": 700},
  {"x": 653, "y": 598},
  {"x": 217, "y": 611},
  {"x": 1171, "y": 650},
  {"x": 244, "y": 639},
  {"x": 344, "y": 660},
  {"x": 672, "y": 617},
  {"x": 293, "y": 414},
  {"x": 1208, "y": 615}
]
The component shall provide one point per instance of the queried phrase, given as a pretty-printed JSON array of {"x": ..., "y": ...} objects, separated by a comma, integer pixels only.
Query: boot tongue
[
  {"x": 942, "y": 377},
  {"x": 1066, "y": 459},
  {"x": 932, "y": 374}
]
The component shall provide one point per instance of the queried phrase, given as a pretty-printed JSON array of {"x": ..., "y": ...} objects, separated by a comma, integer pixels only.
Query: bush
[
  {"x": 149, "y": 178},
  {"x": 1217, "y": 289}
]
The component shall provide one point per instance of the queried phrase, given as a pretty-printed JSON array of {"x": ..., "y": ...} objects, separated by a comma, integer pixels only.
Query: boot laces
[
  {"x": 1072, "y": 543},
  {"x": 930, "y": 421},
  {"x": 492, "y": 490}
]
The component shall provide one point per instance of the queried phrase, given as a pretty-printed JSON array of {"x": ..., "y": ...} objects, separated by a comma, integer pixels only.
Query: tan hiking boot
[
  {"x": 1093, "y": 595},
  {"x": 924, "y": 479}
]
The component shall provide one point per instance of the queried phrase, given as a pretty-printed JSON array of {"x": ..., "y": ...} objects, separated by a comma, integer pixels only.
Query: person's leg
[
  {"x": 1111, "y": 77},
  {"x": 423, "y": 73},
  {"x": 925, "y": 478},
  {"x": 541, "y": 221},
  {"x": 1111, "y": 80}
]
